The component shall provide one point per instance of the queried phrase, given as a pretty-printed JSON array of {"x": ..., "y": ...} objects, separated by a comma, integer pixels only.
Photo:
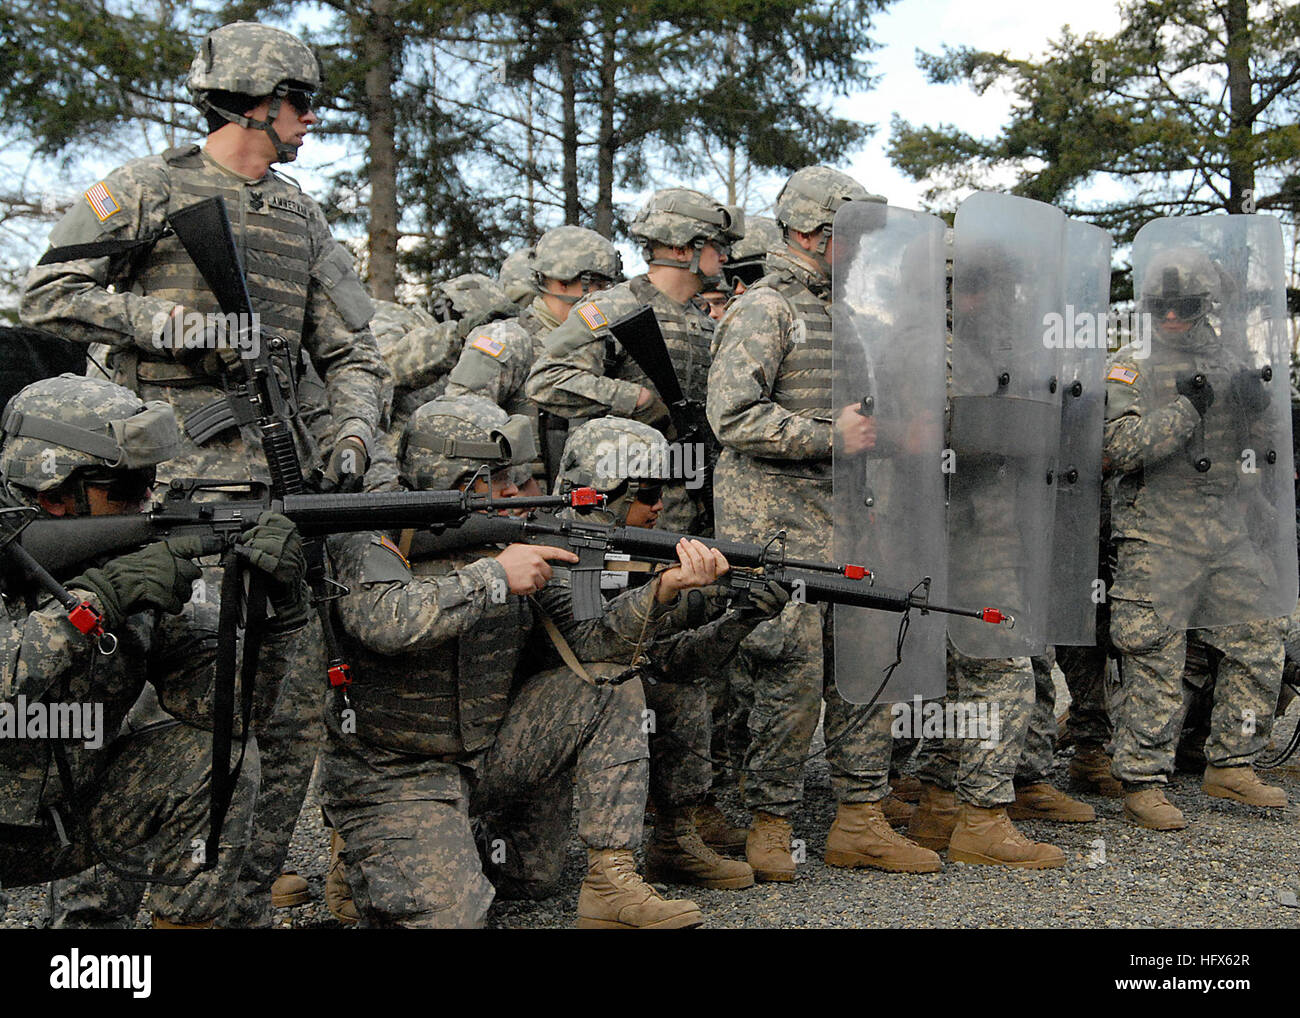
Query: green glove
[
  {"x": 157, "y": 576},
  {"x": 765, "y": 602},
  {"x": 346, "y": 469},
  {"x": 273, "y": 547}
]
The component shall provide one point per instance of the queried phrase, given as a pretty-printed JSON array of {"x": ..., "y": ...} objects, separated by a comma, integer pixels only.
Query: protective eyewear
[{"x": 1182, "y": 307}]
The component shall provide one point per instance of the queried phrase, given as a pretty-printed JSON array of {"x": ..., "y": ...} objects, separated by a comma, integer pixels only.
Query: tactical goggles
[
  {"x": 122, "y": 485},
  {"x": 748, "y": 273},
  {"x": 1182, "y": 307}
]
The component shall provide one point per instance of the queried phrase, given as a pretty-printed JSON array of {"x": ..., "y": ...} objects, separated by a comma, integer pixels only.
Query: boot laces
[
  {"x": 1011, "y": 832},
  {"x": 622, "y": 869}
]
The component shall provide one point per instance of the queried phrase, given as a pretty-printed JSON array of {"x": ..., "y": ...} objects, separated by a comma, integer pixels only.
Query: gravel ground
[{"x": 1234, "y": 867}]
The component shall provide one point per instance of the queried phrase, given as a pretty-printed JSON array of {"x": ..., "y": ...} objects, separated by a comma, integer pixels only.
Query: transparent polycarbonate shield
[
  {"x": 1006, "y": 419},
  {"x": 1214, "y": 517},
  {"x": 1075, "y": 589},
  {"x": 888, "y": 362}
]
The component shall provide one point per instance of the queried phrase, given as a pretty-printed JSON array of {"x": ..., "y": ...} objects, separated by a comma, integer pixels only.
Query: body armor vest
[
  {"x": 269, "y": 219},
  {"x": 803, "y": 385},
  {"x": 446, "y": 701},
  {"x": 687, "y": 335}
]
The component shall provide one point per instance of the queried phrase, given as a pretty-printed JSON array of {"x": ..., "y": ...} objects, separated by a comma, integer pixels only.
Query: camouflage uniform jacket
[
  {"x": 301, "y": 281},
  {"x": 585, "y": 373},
  {"x": 435, "y": 645},
  {"x": 769, "y": 403},
  {"x": 43, "y": 658},
  {"x": 419, "y": 351},
  {"x": 538, "y": 320},
  {"x": 1154, "y": 436},
  {"x": 495, "y": 364}
]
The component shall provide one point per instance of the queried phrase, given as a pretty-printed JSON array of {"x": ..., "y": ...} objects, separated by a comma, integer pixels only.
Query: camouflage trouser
[
  {"x": 1084, "y": 669},
  {"x": 411, "y": 857},
  {"x": 154, "y": 791},
  {"x": 289, "y": 744},
  {"x": 681, "y": 772},
  {"x": 1040, "y": 737},
  {"x": 1154, "y": 698},
  {"x": 981, "y": 772},
  {"x": 793, "y": 673},
  {"x": 731, "y": 695}
]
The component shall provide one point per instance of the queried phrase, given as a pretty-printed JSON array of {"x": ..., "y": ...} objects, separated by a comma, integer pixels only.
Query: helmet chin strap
[
  {"x": 284, "y": 153},
  {"x": 693, "y": 266},
  {"x": 816, "y": 255}
]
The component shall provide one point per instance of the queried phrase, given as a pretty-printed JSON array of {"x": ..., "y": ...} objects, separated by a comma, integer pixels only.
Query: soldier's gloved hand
[
  {"x": 347, "y": 466},
  {"x": 1247, "y": 388},
  {"x": 157, "y": 576},
  {"x": 763, "y": 603},
  {"x": 1202, "y": 395},
  {"x": 274, "y": 547}
]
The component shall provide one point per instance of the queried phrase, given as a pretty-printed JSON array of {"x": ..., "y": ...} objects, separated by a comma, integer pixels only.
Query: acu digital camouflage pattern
[
  {"x": 769, "y": 403},
  {"x": 1201, "y": 546},
  {"x": 812, "y": 196},
  {"x": 762, "y": 235},
  {"x": 516, "y": 277},
  {"x": 252, "y": 58},
  {"x": 472, "y": 300},
  {"x": 494, "y": 365},
  {"x": 567, "y": 252},
  {"x": 479, "y": 430},
  {"x": 679, "y": 217}
]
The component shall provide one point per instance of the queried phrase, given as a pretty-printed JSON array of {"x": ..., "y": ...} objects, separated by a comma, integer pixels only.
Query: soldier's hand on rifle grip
[
  {"x": 855, "y": 433},
  {"x": 650, "y": 409},
  {"x": 157, "y": 576},
  {"x": 699, "y": 566},
  {"x": 1198, "y": 390},
  {"x": 528, "y": 566},
  {"x": 347, "y": 466},
  {"x": 273, "y": 547},
  {"x": 765, "y": 602}
]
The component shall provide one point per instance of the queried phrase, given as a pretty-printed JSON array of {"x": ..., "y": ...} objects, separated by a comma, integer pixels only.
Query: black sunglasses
[
  {"x": 124, "y": 485},
  {"x": 649, "y": 494},
  {"x": 300, "y": 100}
]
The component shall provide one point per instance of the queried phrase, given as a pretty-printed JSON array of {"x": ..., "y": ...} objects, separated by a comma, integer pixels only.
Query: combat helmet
[
  {"x": 471, "y": 300},
  {"x": 516, "y": 277},
  {"x": 809, "y": 200},
  {"x": 749, "y": 254},
  {"x": 447, "y": 440},
  {"x": 570, "y": 253},
  {"x": 72, "y": 427},
  {"x": 251, "y": 59},
  {"x": 680, "y": 217},
  {"x": 1183, "y": 280},
  {"x": 618, "y": 457}
]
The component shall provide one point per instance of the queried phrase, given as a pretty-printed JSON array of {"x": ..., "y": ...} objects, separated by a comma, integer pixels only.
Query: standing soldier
[
  {"x": 116, "y": 275},
  {"x": 1203, "y": 512},
  {"x": 585, "y": 372},
  {"x": 769, "y": 403}
]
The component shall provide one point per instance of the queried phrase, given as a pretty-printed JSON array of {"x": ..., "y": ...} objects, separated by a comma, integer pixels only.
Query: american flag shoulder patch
[
  {"x": 489, "y": 345},
  {"x": 101, "y": 202},
  {"x": 386, "y": 542},
  {"x": 1119, "y": 373},
  {"x": 594, "y": 317}
]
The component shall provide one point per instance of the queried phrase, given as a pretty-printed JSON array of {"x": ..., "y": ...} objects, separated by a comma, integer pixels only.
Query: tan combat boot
[
  {"x": 159, "y": 923},
  {"x": 338, "y": 892},
  {"x": 677, "y": 855},
  {"x": 767, "y": 848},
  {"x": 1242, "y": 784},
  {"x": 289, "y": 890},
  {"x": 861, "y": 836},
  {"x": 907, "y": 787},
  {"x": 1090, "y": 772},
  {"x": 986, "y": 835},
  {"x": 935, "y": 817},
  {"x": 1041, "y": 801},
  {"x": 1148, "y": 807},
  {"x": 716, "y": 831},
  {"x": 614, "y": 897},
  {"x": 897, "y": 812}
]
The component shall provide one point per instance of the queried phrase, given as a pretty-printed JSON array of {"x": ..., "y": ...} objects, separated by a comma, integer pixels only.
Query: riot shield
[
  {"x": 1211, "y": 522},
  {"x": 1074, "y": 590},
  {"x": 1005, "y": 418},
  {"x": 888, "y": 360}
]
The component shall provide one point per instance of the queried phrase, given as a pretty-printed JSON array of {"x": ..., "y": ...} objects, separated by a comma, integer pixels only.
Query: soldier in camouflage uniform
[
  {"x": 435, "y": 728},
  {"x": 83, "y": 447},
  {"x": 1153, "y": 411},
  {"x": 585, "y": 373},
  {"x": 597, "y": 455},
  {"x": 769, "y": 403},
  {"x": 254, "y": 85}
]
